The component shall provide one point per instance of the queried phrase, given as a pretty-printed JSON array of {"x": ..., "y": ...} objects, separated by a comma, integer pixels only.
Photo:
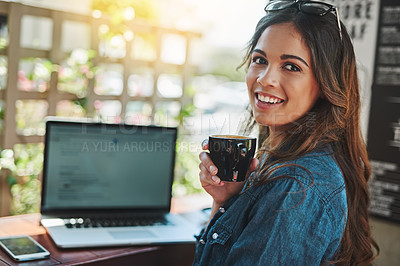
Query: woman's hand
[{"x": 219, "y": 190}]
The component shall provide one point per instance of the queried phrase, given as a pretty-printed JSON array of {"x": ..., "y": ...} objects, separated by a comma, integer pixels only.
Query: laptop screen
[{"x": 92, "y": 166}]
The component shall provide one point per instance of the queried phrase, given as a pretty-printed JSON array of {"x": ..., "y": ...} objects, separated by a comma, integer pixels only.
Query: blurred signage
[{"x": 384, "y": 121}]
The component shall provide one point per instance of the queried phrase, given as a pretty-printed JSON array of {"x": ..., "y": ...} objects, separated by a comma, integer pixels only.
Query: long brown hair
[{"x": 334, "y": 120}]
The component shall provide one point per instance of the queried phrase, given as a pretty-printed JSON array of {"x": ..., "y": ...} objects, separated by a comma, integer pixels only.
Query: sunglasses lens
[
  {"x": 315, "y": 8},
  {"x": 278, "y": 5}
]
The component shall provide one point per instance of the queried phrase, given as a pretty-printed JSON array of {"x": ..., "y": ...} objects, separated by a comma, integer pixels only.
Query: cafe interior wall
[{"x": 361, "y": 20}]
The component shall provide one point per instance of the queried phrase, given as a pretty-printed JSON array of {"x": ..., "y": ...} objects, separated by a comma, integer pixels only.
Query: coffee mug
[{"x": 232, "y": 155}]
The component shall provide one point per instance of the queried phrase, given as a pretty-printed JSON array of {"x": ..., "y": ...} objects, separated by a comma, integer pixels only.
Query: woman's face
[{"x": 282, "y": 87}]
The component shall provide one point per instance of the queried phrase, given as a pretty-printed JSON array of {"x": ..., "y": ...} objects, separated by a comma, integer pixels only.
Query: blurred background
[{"x": 162, "y": 62}]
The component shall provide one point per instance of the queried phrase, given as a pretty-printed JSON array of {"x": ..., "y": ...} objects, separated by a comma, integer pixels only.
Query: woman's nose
[{"x": 268, "y": 77}]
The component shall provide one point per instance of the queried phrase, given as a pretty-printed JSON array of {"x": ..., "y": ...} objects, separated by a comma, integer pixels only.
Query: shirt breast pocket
[{"x": 219, "y": 234}]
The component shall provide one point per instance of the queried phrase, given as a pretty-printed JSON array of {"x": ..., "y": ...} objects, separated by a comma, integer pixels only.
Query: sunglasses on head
[{"x": 314, "y": 8}]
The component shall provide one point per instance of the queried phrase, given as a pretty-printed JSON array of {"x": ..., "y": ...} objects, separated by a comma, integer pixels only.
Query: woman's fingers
[
  {"x": 207, "y": 178},
  {"x": 208, "y": 170},
  {"x": 253, "y": 165},
  {"x": 206, "y": 161}
]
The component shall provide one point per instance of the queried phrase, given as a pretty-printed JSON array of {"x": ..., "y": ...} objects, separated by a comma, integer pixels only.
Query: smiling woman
[{"x": 306, "y": 196}]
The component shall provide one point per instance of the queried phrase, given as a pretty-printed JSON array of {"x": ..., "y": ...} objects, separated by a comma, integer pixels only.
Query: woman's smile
[{"x": 266, "y": 101}]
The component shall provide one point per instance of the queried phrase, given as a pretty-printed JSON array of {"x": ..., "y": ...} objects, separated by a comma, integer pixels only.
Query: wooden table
[{"x": 176, "y": 254}]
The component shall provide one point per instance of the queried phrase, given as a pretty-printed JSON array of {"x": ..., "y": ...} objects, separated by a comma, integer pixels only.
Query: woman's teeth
[{"x": 267, "y": 99}]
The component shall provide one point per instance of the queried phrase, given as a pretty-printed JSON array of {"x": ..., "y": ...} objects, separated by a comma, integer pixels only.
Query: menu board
[{"x": 384, "y": 121}]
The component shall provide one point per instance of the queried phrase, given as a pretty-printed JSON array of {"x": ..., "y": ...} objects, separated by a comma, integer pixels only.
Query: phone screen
[{"x": 21, "y": 246}]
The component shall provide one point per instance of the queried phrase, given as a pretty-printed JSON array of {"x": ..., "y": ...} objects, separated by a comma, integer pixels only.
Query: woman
[{"x": 306, "y": 201}]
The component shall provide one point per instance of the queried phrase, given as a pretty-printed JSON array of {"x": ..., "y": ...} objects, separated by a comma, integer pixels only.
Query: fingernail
[
  {"x": 205, "y": 142},
  {"x": 215, "y": 179},
  {"x": 213, "y": 169}
]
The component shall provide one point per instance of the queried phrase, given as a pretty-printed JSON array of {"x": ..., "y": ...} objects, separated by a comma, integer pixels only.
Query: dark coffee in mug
[{"x": 232, "y": 155}]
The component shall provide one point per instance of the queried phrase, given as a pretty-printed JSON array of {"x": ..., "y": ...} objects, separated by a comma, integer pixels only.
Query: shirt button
[
  {"x": 221, "y": 210},
  {"x": 202, "y": 241},
  {"x": 215, "y": 236}
]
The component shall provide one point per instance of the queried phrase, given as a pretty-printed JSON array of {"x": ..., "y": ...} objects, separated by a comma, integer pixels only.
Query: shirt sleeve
[{"x": 288, "y": 225}]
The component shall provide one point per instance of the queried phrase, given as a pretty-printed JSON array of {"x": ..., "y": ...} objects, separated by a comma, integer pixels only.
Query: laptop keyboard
[{"x": 82, "y": 222}]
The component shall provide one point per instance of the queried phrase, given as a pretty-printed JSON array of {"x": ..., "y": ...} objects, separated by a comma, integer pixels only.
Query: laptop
[{"x": 110, "y": 185}]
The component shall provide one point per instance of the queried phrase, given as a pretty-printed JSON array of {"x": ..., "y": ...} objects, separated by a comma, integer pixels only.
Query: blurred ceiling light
[
  {"x": 3, "y": 71},
  {"x": 7, "y": 153},
  {"x": 117, "y": 41},
  {"x": 96, "y": 13},
  {"x": 104, "y": 29},
  {"x": 81, "y": 56},
  {"x": 173, "y": 49},
  {"x": 128, "y": 35},
  {"x": 129, "y": 13}
]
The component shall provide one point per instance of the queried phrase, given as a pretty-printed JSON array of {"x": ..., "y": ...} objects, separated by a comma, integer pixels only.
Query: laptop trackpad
[{"x": 132, "y": 234}]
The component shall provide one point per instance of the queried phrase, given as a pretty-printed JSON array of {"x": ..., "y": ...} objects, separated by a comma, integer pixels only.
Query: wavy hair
[{"x": 333, "y": 120}]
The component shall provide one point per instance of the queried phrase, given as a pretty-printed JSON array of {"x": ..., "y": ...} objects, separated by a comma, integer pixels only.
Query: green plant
[
  {"x": 187, "y": 161},
  {"x": 186, "y": 169},
  {"x": 24, "y": 165},
  {"x": 26, "y": 196},
  {"x": 75, "y": 73}
]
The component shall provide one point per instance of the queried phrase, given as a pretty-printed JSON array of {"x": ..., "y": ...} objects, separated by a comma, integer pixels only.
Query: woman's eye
[
  {"x": 259, "y": 60},
  {"x": 292, "y": 67}
]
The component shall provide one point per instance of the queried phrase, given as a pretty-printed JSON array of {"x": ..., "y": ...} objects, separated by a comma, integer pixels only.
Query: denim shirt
[{"x": 298, "y": 219}]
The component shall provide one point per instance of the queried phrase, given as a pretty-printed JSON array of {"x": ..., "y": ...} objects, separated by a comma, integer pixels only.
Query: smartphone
[{"x": 23, "y": 248}]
